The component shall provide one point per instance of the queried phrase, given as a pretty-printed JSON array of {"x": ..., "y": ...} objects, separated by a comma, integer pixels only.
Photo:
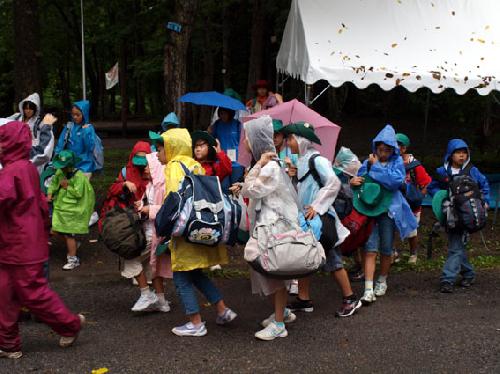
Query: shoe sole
[
  {"x": 198, "y": 334},
  {"x": 226, "y": 322},
  {"x": 353, "y": 310},
  {"x": 71, "y": 268},
  {"x": 82, "y": 323},
  {"x": 11, "y": 355},
  {"x": 263, "y": 324},
  {"x": 305, "y": 310},
  {"x": 267, "y": 339},
  {"x": 367, "y": 303}
]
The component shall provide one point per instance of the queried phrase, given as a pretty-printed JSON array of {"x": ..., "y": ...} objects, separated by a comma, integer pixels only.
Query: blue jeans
[
  {"x": 457, "y": 261},
  {"x": 236, "y": 176},
  {"x": 382, "y": 236},
  {"x": 184, "y": 282}
]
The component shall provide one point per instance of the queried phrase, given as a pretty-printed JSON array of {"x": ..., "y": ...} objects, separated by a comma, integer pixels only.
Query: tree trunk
[
  {"x": 123, "y": 86},
  {"x": 256, "y": 46},
  {"x": 226, "y": 47},
  {"x": 175, "y": 55},
  {"x": 27, "y": 54}
]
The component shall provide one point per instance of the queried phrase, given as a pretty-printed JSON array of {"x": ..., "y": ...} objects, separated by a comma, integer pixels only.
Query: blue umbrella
[{"x": 212, "y": 98}]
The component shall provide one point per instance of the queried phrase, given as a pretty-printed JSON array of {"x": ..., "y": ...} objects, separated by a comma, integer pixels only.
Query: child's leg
[
  {"x": 158, "y": 286},
  {"x": 304, "y": 288},
  {"x": 208, "y": 289},
  {"x": 10, "y": 341},
  {"x": 184, "y": 287},
  {"x": 280, "y": 299},
  {"x": 370, "y": 256},
  {"x": 386, "y": 233},
  {"x": 466, "y": 268},
  {"x": 342, "y": 280},
  {"x": 71, "y": 245},
  {"x": 456, "y": 251},
  {"x": 413, "y": 242},
  {"x": 142, "y": 281}
]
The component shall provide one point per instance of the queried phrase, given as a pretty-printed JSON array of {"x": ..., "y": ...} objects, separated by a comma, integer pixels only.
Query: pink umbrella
[{"x": 294, "y": 111}]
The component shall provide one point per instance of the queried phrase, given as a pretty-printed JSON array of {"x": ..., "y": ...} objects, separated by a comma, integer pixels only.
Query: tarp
[
  {"x": 295, "y": 111},
  {"x": 437, "y": 44}
]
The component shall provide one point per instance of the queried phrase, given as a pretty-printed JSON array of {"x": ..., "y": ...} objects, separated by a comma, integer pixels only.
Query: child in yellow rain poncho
[
  {"x": 73, "y": 201},
  {"x": 175, "y": 147}
]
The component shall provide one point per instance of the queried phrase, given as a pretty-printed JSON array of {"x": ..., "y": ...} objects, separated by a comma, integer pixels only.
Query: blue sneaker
[
  {"x": 226, "y": 317},
  {"x": 190, "y": 329}
]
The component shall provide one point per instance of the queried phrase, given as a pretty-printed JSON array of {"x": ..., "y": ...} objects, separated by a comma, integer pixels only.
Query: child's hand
[
  {"x": 235, "y": 189},
  {"x": 145, "y": 210},
  {"x": 130, "y": 186},
  {"x": 266, "y": 157},
  {"x": 49, "y": 119},
  {"x": 292, "y": 171},
  {"x": 372, "y": 158},
  {"x": 357, "y": 181},
  {"x": 217, "y": 147},
  {"x": 310, "y": 213},
  {"x": 64, "y": 183},
  {"x": 49, "y": 198}
]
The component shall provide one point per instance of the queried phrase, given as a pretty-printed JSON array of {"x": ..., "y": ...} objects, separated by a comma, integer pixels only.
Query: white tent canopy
[{"x": 437, "y": 44}]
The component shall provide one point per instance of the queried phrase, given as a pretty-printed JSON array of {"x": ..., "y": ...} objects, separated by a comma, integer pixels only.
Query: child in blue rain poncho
[{"x": 383, "y": 173}]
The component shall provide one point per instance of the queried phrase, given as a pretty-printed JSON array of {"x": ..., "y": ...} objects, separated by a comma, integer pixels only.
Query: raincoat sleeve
[
  {"x": 482, "y": 181},
  {"x": 436, "y": 184},
  {"x": 261, "y": 181},
  {"x": 390, "y": 176},
  {"x": 89, "y": 138},
  {"x": 76, "y": 186},
  {"x": 331, "y": 186},
  {"x": 42, "y": 153},
  {"x": 422, "y": 178},
  {"x": 54, "y": 183},
  {"x": 223, "y": 167},
  {"x": 8, "y": 192},
  {"x": 116, "y": 189},
  {"x": 60, "y": 142}
]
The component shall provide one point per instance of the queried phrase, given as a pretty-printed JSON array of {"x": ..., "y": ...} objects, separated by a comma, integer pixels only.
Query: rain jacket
[
  {"x": 444, "y": 172},
  {"x": 391, "y": 176},
  {"x": 229, "y": 136},
  {"x": 186, "y": 256},
  {"x": 42, "y": 137},
  {"x": 73, "y": 206},
  {"x": 221, "y": 167},
  {"x": 81, "y": 138},
  {"x": 23, "y": 207}
]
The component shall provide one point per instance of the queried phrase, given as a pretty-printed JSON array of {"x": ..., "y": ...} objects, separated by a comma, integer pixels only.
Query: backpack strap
[
  {"x": 67, "y": 135},
  {"x": 124, "y": 172},
  {"x": 412, "y": 165},
  {"x": 467, "y": 169},
  {"x": 312, "y": 171}
]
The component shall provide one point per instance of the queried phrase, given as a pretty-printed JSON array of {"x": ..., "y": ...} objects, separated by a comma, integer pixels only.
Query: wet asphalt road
[{"x": 413, "y": 329}]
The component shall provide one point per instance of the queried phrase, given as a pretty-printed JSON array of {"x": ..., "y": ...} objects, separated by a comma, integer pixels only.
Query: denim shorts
[
  {"x": 382, "y": 237},
  {"x": 333, "y": 260}
]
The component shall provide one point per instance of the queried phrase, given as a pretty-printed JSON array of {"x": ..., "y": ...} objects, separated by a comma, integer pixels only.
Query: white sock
[
  {"x": 368, "y": 285},
  {"x": 382, "y": 278},
  {"x": 161, "y": 298},
  {"x": 145, "y": 290}
]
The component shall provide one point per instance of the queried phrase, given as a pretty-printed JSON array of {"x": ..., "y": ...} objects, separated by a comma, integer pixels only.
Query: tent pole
[
  {"x": 426, "y": 114},
  {"x": 307, "y": 94}
]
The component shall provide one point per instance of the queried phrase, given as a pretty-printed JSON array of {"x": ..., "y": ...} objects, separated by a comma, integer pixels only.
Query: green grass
[{"x": 114, "y": 160}]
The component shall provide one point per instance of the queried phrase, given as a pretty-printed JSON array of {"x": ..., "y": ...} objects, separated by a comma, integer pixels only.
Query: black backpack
[
  {"x": 411, "y": 191},
  {"x": 343, "y": 202},
  {"x": 466, "y": 209}
]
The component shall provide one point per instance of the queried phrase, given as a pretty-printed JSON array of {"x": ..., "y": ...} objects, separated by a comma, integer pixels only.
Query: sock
[
  {"x": 280, "y": 325},
  {"x": 382, "y": 278},
  {"x": 145, "y": 290},
  {"x": 368, "y": 285},
  {"x": 352, "y": 297},
  {"x": 161, "y": 298}
]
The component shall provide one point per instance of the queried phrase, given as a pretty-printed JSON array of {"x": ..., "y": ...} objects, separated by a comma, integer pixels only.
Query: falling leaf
[
  {"x": 436, "y": 75},
  {"x": 385, "y": 53},
  {"x": 394, "y": 45},
  {"x": 331, "y": 54},
  {"x": 440, "y": 86},
  {"x": 357, "y": 56},
  {"x": 432, "y": 5},
  {"x": 344, "y": 26},
  {"x": 466, "y": 79},
  {"x": 460, "y": 53},
  {"x": 389, "y": 75},
  {"x": 471, "y": 39},
  {"x": 405, "y": 38},
  {"x": 481, "y": 41},
  {"x": 370, "y": 68},
  {"x": 452, "y": 12},
  {"x": 482, "y": 58}
]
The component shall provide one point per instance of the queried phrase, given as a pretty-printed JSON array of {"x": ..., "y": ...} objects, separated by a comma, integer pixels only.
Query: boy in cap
[
  {"x": 416, "y": 177},
  {"x": 73, "y": 203}
]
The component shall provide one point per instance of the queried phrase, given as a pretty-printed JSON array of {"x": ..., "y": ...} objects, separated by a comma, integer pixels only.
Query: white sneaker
[
  {"x": 271, "y": 332},
  {"x": 190, "y": 330},
  {"x": 163, "y": 307},
  {"x": 145, "y": 303},
  {"x": 67, "y": 341},
  {"x": 289, "y": 318},
  {"x": 93, "y": 219},
  {"x": 294, "y": 288},
  {"x": 215, "y": 268},
  {"x": 11, "y": 355},
  {"x": 413, "y": 260},
  {"x": 380, "y": 288},
  {"x": 72, "y": 263},
  {"x": 368, "y": 297}
]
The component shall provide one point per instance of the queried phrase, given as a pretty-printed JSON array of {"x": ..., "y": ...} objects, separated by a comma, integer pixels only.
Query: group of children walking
[{"x": 288, "y": 179}]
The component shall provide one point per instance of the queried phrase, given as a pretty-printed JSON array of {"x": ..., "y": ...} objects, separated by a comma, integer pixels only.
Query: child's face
[
  {"x": 384, "y": 152},
  {"x": 162, "y": 157},
  {"x": 201, "y": 150},
  {"x": 262, "y": 91},
  {"x": 278, "y": 139},
  {"x": 28, "y": 112},
  {"x": 225, "y": 116},
  {"x": 67, "y": 170},
  {"x": 459, "y": 157},
  {"x": 292, "y": 143},
  {"x": 402, "y": 149},
  {"x": 76, "y": 115}
]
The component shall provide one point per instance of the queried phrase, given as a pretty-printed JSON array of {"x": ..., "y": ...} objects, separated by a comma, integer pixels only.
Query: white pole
[{"x": 84, "y": 86}]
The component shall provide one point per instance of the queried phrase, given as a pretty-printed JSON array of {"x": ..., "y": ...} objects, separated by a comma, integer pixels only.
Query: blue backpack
[
  {"x": 198, "y": 212},
  {"x": 411, "y": 191}
]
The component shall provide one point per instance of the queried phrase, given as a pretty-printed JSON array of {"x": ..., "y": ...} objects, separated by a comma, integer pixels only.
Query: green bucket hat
[
  {"x": 371, "y": 199},
  {"x": 65, "y": 159},
  {"x": 232, "y": 93},
  {"x": 139, "y": 161},
  {"x": 403, "y": 139},
  {"x": 277, "y": 125},
  {"x": 154, "y": 138},
  {"x": 437, "y": 204},
  {"x": 304, "y": 129}
]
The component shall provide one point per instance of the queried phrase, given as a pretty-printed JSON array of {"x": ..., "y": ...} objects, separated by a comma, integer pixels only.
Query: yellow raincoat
[{"x": 186, "y": 256}]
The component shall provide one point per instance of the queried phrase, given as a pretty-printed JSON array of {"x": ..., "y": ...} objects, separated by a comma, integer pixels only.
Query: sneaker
[
  {"x": 467, "y": 282},
  {"x": 357, "y": 277},
  {"x": 368, "y": 297},
  {"x": 215, "y": 268},
  {"x": 145, "y": 303},
  {"x": 380, "y": 288},
  {"x": 396, "y": 258},
  {"x": 227, "y": 317},
  {"x": 289, "y": 318},
  {"x": 271, "y": 332},
  {"x": 11, "y": 355},
  {"x": 163, "y": 307},
  {"x": 446, "y": 287},
  {"x": 300, "y": 305},
  {"x": 413, "y": 260},
  {"x": 294, "y": 288},
  {"x": 349, "y": 307},
  {"x": 67, "y": 341},
  {"x": 72, "y": 263},
  {"x": 190, "y": 330},
  {"x": 93, "y": 219}
]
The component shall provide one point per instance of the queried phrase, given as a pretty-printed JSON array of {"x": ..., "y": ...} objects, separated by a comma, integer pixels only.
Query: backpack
[
  {"x": 466, "y": 209},
  {"x": 360, "y": 228},
  {"x": 122, "y": 232},
  {"x": 343, "y": 202},
  {"x": 411, "y": 191},
  {"x": 199, "y": 212},
  {"x": 97, "y": 152}
]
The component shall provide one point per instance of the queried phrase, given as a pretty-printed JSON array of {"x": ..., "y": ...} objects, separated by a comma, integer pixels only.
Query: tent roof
[{"x": 437, "y": 44}]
